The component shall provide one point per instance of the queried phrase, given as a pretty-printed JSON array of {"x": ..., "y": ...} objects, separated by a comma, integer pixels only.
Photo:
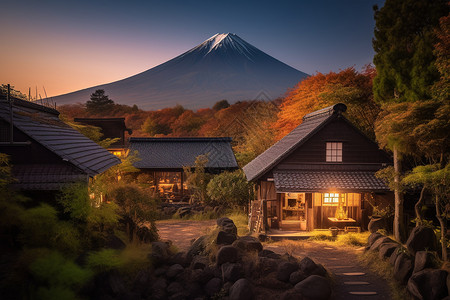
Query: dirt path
[
  {"x": 352, "y": 281},
  {"x": 181, "y": 233}
]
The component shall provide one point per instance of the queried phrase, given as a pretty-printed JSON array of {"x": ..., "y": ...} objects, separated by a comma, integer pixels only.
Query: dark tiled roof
[
  {"x": 309, "y": 181},
  {"x": 175, "y": 153},
  {"x": 43, "y": 125},
  {"x": 46, "y": 177},
  {"x": 311, "y": 122}
]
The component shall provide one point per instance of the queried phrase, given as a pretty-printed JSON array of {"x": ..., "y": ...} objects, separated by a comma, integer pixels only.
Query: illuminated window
[
  {"x": 332, "y": 198},
  {"x": 117, "y": 153},
  {"x": 334, "y": 152}
]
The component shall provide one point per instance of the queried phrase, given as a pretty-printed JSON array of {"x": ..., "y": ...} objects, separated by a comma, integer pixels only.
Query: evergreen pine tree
[{"x": 99, "y": 102}]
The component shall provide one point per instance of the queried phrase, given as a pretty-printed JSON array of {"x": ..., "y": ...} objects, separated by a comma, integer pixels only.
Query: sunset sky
[{"x": 65, "y": 46}]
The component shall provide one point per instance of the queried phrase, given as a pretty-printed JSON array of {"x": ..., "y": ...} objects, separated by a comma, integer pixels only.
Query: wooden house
[
  {"x": 46, "y": 153},
  {"x": 111, "y": 128},
  {"x": 163, "y": 159},
  {"x": 320, "y": 175}
]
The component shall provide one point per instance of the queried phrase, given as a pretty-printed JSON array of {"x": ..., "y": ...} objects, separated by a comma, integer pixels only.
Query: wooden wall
[{"x": 357, "y": 149}]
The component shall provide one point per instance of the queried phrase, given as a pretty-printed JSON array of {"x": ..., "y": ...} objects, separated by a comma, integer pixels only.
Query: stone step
[
  {"x": 356, "y": 282},
  {"x": 353, "y": 274},
  {"x": 363, "y": 293}
]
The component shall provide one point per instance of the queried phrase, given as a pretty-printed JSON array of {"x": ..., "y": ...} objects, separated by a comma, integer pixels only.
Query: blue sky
[{"x": 69, "y": 45}]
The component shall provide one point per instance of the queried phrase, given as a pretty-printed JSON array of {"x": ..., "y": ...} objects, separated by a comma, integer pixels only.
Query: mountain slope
[{"x": 222, "y": 67}]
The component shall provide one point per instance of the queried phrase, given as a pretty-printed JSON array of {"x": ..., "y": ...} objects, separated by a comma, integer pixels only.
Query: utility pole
[{"x": 11, "y": 125}]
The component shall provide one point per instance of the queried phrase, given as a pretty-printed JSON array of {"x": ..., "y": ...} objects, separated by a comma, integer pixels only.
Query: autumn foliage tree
[{"x": 321, "y": 90}]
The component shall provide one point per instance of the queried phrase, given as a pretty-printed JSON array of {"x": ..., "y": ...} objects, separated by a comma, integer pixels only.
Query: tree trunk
[
  {"x": 418, "y": 207},
  {"x": 443, "y": 228},
  {"x": 398, "y": 216}
]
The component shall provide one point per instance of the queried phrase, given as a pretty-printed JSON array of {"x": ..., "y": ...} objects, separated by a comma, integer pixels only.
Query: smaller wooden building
[
  {"x": 163, "y": 159},
  {"x": 320, "y": 175},
  {"x": 46, "y": 153},
  {"x": 111, "y": 128}
]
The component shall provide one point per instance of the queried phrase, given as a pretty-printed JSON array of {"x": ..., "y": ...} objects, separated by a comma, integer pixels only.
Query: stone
[
  {"x": 384, "y": 240},
  {"x": 403, "y": 268},
  {"x": 230, "y": 228},
  {"x": 197, "y": 247},
  {"x": 307, "y": 266},
  {"x": 448, "y": 284},
  {"x": 199, "y": 262},
  {"x": 141, "y": 281},
  {"x": 270, "y": 281},
  {"x": 248, "y": 243},
  {"x": 226, "y": 254},
  {"x": 177, "y": 296},
  {"x": 291, "y": 294},
  {"x": 285, "y": 269},
  {"x": 201, "y": 276},
  {"x": 269, "y": 254},
  {"x": 174, "y": 270},
  {"x": 174, "y": 288},
  {"x": 314, "y": 287},
  {"x": 263, "y": 237},
  {"x": 387, "y": 249},
  {"x": 376, "y": 223},
  {"x": 421, "y": 238},
  {"x": 160, "y": 271},
  {"x": 241, "y": 290},
  {"x": 222, "y": 221},
  {"x": 194, "y": 289},
  {"x": 424, "y": 260},
  {"x": 159, "y": 288},
  {"x": 373, "y": 237},
  {"x": 320, "y": 270},
  {"x": 394, "y": 256},
  {"x": 160, "y": 253},
  {"x": 213, "y": 286},
  {"x": 226, "y": 286},
  {"x": 231, "y": 272},
  {"x": 225, "y": 238},
  {"x": 296, "y": 277},
  {"x": 181, "y": 259},
  {"x": 268, "y": 265},
  {"x": 430, "y": 284}
]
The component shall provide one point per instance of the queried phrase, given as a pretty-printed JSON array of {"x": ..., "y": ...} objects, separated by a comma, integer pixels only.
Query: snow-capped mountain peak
[
  {"x": 222, "y": 67},
  {"x": 226, "y": 41}
]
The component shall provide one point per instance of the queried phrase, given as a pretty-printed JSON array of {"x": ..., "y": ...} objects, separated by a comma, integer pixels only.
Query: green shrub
[
  {"x": 230, "y": 189},
  {"x": 57, "y": 271},
  {"x": 38, "y": 226},
  {"x": 75, "y": 201},
  {"x": 104, "y": 260}
]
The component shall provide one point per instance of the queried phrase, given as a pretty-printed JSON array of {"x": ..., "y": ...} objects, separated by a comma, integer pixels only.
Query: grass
[
  {"x": 240, "y": 219},
  {"x": 383, "y": 269},
  {"x": 348, "y": 239}
]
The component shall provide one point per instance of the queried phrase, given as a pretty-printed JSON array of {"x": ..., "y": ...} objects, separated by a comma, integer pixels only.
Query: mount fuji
[{"x": 222, "y": 67}]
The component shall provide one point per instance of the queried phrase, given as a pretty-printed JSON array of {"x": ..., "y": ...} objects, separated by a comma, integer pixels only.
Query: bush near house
[{"x": 230, "y": 189}]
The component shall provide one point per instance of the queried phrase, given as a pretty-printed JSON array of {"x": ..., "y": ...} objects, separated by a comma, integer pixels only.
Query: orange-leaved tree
[{"x": 321, "y": 90}]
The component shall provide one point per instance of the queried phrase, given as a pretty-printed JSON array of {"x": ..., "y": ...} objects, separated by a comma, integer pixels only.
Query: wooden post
[{"x": 11, "y": 121}]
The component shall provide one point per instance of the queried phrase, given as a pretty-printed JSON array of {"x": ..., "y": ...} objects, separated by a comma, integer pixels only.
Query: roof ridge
[
  {"x": 333, "y": 109},
  {"x": 179, "y": 139}
]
